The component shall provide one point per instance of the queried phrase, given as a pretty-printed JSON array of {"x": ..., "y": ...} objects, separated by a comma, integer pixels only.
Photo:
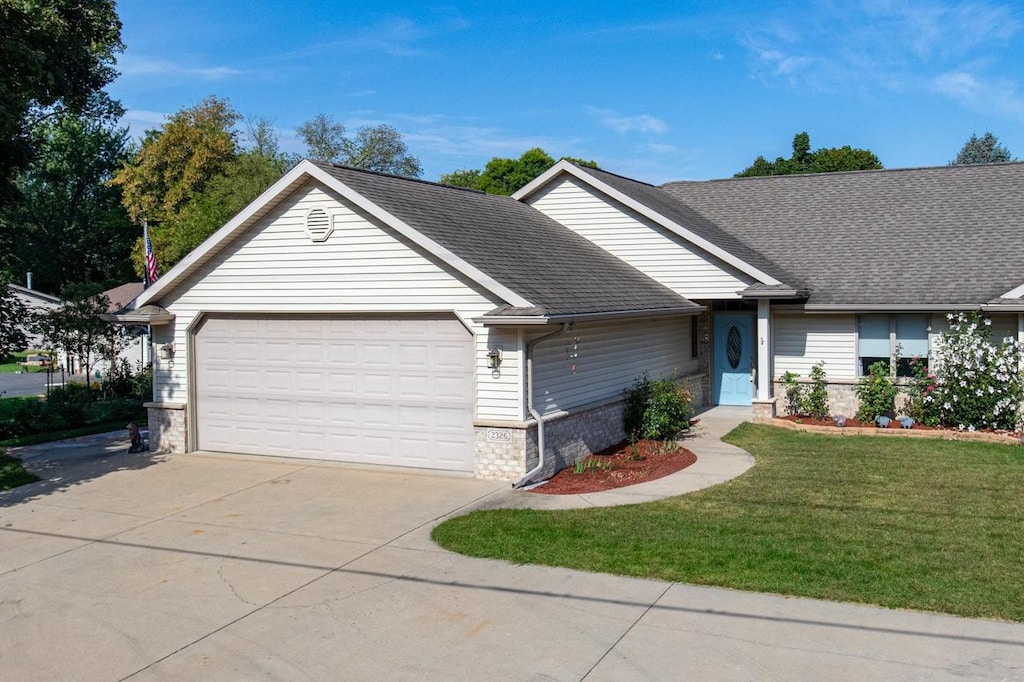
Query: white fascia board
[
  {"x": 1016, "y": 293},
  {"x": 223, "y": 236},
  {"x": 236, "y": 225},
  {"x": 542, "y": 179},
  {"x": 700, "y": 242}
]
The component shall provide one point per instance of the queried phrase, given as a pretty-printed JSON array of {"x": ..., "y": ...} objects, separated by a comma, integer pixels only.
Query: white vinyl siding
[
  {"x": 648, "y": 247},
  {"x": 800, "y": 341},
  {"x": 361, "y": 267},
  {"x": 608, "y": 357}
]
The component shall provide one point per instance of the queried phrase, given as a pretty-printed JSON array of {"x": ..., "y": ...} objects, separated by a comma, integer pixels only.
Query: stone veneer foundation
[
  {"x": 503, "y": 451},
  {"x": 168, "y": 431},
  {"x": 506, "y": 451}
]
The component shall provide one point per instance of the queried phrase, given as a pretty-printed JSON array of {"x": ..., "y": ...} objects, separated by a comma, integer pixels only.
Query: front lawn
[
  {"x": 12, "y": 473},
  {"x": 905, "y": 523}
]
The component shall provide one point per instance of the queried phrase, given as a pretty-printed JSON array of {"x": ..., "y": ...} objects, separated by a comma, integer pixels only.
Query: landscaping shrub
[
  {"x": 815, "y": 402},
  {"x": 656, "y": 409},
  {"x": 980, "y": 385},
  {"x": 919, "y": 388},
  {"x": 877, "y": 392},
  {"x": 794, "y": 392}
]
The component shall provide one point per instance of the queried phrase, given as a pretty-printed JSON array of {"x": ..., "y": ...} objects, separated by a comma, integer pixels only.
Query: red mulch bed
[
  {"x": 851, "y": 422},
  {"x": 625, "y": 469}
]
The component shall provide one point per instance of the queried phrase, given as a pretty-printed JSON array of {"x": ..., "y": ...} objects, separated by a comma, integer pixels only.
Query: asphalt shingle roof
[
  {"x": 685, "y": 216},
  {"x": 944, "y": 236},
  {"x": 558, "y": 271}
]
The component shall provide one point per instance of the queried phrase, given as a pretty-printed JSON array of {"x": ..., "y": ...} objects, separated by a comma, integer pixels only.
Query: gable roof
[
  {"x": 33, "y": 297},
  {"x": 534, "y": 264},
  {"x": 677, "y": 217},
  {"x": 946, "y": 236},
  {"x": 121, "y": 296}
]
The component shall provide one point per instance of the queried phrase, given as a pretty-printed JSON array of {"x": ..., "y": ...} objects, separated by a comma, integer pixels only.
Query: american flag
[{"x": 151, "y": 273}]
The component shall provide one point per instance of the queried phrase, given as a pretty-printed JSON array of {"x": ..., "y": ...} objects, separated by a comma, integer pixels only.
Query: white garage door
[{"x": 370, "y": 389}]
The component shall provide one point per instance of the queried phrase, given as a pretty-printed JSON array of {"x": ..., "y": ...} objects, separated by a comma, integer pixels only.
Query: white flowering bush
[{"x": 979, "y": 385}]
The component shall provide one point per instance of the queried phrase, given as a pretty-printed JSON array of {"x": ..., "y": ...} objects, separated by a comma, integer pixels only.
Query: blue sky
[{"x": 657, "y": 91}]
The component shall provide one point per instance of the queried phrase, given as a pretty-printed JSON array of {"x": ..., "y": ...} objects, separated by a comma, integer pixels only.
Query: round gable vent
[{"x": 318, "y": 225}]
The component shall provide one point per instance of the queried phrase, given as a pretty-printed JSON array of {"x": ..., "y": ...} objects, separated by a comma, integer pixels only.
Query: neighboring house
[
  {"x": 362, "y": 317},
  {"x": 34, "y": 301},
  {"x": 136, "y": 350}
]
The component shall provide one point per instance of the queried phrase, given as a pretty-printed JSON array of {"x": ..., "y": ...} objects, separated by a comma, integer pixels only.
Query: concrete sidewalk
[{"x": 226, "y": 567}]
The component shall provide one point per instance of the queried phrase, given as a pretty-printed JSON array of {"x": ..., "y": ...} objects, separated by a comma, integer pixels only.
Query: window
[{"x": 879, "y": 337}]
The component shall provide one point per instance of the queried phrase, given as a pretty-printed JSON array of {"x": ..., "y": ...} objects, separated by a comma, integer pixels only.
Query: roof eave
[
  {"x": 885, "y": 307},
  {"x": 150, "y": 314},
  {"x": 531, "y": 320}
]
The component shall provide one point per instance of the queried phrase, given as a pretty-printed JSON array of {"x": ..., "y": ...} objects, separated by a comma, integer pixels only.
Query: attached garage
[
  {"x": 369, "y": 389},
  {"x": 353, "y": 316}
]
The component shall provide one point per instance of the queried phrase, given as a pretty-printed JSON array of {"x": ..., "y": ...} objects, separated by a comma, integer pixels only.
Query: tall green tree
[
  {"x": 378, "y": 148},
  {"x": 984, "y": 149},
  {"x": 175, "y": 163},
  {"x": 54, "y": 56},
  {"x": 324, "y": 138},
  {"x": 803, "y": 160},
  {"x": 12, "y": 321},
  {"x": 67, "y": 224},
  {"x": 193, "y": 174},
  {"x": 505, "y": 175}
]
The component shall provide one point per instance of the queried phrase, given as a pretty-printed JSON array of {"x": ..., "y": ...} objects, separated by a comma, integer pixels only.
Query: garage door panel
[
  {"x": 452, "y": 388},
  {"x": 376, "y": 385},
  {"x": 394, "y": 391}
]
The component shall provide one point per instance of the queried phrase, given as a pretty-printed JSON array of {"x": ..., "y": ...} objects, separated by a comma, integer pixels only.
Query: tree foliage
[
  {"x": 75, "y": 326},
  {"x": 56, "y": 55},
  {"x": 192, "y": 175},
  {"x": 12, "y": 321},
  {"x": 176, "y": 162},
  {"x": 984, "y": 149},
  {"x": 803, "y": 160},
  {"x": 378, "y": 148},
  {"x": 324, "y": 138},
  {"x": 506, "y": 176},
  {"x": 66, "y": 224}
]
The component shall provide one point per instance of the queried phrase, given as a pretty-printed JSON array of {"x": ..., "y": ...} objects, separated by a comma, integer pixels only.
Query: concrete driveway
[{"x": 221, "y": 567}]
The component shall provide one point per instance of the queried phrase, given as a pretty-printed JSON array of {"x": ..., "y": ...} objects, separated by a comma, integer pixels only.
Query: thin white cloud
[
  {"x": 641, "y": 123},
  {"x": 141, "y": 120},
  {"x": 130, "y": 65},
  {"x": 943, "y": 47},
  {"x": 1001, "y": 96}
]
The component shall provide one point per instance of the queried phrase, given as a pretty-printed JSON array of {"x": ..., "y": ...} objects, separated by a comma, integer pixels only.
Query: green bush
[
  {"x": 815, "y": 402},
  {"x": 794, "y": 392},
  {"x": 877, "y": 393},
  {"x": 657, "y": 409}
]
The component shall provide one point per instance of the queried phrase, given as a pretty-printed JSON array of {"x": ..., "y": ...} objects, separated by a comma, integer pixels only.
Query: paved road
[
  {"x": 222, "y": 567},
  {"x": 15, "y": 385}
]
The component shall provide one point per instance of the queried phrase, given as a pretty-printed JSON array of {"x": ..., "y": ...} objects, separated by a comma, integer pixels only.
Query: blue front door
[{"x": 734, "y": 353}]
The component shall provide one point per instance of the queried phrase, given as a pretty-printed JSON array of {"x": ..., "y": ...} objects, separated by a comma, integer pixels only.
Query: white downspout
[{"x": 529, "y": 406}]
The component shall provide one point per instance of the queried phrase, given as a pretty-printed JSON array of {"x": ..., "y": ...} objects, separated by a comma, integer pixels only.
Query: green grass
[
  {"x": 12, "y": 473},
  {"x": 61, "y": 434},
  {"x": 912, "y": 523},
  {"x": 14, "y": 360}
]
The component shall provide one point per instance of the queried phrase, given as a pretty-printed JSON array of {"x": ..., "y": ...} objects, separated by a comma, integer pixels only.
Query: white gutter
[{"x": 529, "y": 406}]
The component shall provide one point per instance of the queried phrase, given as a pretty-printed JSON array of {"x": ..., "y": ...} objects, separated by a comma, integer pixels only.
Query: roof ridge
[
  {"x": 755, "y": 178},
  {"x": 394, "y": 176},
  {"x": 608, "y": 172}
]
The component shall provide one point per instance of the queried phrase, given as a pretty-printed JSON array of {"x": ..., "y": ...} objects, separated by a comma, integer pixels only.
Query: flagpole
[{"x": 145, "y": 243}]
